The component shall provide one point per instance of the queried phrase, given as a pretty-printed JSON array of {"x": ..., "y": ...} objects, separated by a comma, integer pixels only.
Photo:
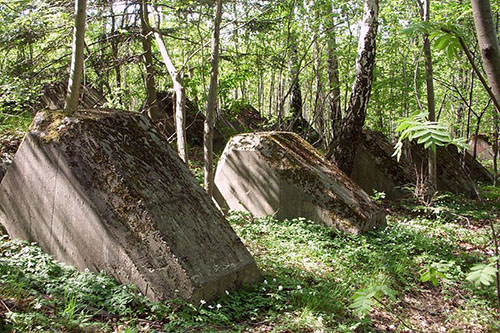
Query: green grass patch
[{"x": 311, "y": 274}]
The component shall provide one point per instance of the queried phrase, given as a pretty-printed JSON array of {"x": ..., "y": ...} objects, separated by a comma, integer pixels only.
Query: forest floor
[
  {"x": 311, "y": 275},
  {"x": 316, "y": 279}
]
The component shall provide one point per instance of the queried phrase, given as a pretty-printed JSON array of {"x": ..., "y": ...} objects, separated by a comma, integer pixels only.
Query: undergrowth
[{"x": 311, "y": 274}]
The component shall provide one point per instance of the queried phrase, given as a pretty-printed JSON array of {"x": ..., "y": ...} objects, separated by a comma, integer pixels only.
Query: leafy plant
[
  {"x": 435, "y": 271},
  {"x": 483, "y": 274},
  {"x": 445, "y": 36},
  {"x": 377, "y": 196},
  {"x": 364, "y": 299},
  {"x": 428, "y": 133}
]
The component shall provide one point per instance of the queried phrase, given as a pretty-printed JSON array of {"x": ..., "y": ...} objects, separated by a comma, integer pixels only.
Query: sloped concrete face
[
  {"x": 376, "y": 170},
  {"x": 451, "y": 176},
  {"x": 104, "y": 191},
  {"x": 280, "y": 174}
]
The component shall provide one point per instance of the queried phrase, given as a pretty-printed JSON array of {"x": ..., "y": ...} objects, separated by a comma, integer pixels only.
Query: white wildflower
[{"x": 280, "y": 288}]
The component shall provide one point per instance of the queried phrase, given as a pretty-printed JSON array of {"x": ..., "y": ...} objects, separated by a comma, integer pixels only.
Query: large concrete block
[
  {"x": 376, "y": 169},
  {"x": 102, "y": 190},
  {"x": 279, "y": 173}
]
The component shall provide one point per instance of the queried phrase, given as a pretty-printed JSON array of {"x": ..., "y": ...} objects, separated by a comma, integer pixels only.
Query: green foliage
[
  {"x": 435, "y": 271},
  {"x": 196, "y": 168},
  {"x": 378, "y": 197},
  {"x": 312, "y": 277},
  {"x": 418, "y": 28},
  {"x": 482, "y": 274},
  {"x": 449, "y": 43},
  {"x": 430, "y": 134},
  {"x": 445, "y": 36},
  {"x": 364, "y": 299}
]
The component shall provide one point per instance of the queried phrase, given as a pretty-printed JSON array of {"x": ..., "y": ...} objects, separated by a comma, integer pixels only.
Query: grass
[
  {"x": 14, "y": 123},
  {"x": 311, "y": 274}
]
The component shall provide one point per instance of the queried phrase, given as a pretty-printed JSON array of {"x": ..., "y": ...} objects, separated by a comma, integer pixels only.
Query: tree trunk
[
  {"x": 488, "y": 43},
  {"x": 180, "y": 98},
  {"x": 333, "y": 76},
  {"x": 151, "y": 100},
  {"x": 431, "y": 102},
  {"x": 343, "y": 148},
  {"x": 495, "y": 150},
  {"x": 208, "y": 132},
  {"x": 318, "y": 98},
  {"x": 296, "y": 98},
  {"x": 76, "y": 69},
  {"x": 271, "y": 94},
  {"x": 115, "y": 50}
]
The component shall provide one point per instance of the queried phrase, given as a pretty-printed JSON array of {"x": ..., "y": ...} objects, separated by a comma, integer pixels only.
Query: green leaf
[
  {"x": 364, "y": 299},
  {"x": 426, "y": 276},
  {"x": 482, "y": 274},
  {"x": 424, "y": 139},
  {"x": 442, "y": 41}
]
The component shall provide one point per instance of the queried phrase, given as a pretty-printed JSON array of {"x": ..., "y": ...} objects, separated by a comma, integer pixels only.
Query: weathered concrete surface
[
  {"x": 8, "y": 148},
  {"x": 472, "y": 167},
  {"x": 103, "y": 190},
  {"x": 279, "y": 173},
  {"x": 376, "y": 169},
  {"x": 484, "y": 148},
  {"x": 451, "y": 176},
  {"x": 54, "y": 94}
]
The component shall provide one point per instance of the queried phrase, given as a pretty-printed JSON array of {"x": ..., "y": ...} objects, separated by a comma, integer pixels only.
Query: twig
[
  {"x": 5, "y": 305},
  {"x": 495, "y": 239},
  {"x": 396, "y": 316},
  {"x": 476, "y": 69}
]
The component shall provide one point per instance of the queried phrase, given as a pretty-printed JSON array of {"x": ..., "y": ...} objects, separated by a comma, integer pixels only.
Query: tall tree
[
  {"x": 333, "y": 74},
  {"x": 488, "y": 43},
  {"x": 208, "y": 132},
  {"x": 151, "y": 99},
  {"x": 76, "y": 69},
  {"x": 343, "y": 148},
  {"x": 177, "y": 77},
  {"x": 424, "y": 9}
]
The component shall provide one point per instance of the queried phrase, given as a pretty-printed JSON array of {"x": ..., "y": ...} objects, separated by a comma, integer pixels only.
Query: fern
[
  {"x": 430, "y": 134},
  {"x": 482, "y": 274},
  {"x": 364, "y": 299}
]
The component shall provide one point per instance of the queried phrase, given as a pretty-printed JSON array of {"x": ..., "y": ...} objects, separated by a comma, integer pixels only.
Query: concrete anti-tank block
[
  {"x": 280, "y": 174},
  {"x": 102, "y": 190},
  {"x": 376, "y": 169}
]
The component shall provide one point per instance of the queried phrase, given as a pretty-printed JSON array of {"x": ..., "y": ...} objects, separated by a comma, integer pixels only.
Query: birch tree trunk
[
  {"x": 343, "y": 148},
  {"x": 333, "y": 76},
  {"x": 151, "y": 99},
  {"x": 180, "y": 97},
  {"x": 208, "y": 132},
  {"x": 76, "y": 69},
  {"x": 488, "y": 43}
]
